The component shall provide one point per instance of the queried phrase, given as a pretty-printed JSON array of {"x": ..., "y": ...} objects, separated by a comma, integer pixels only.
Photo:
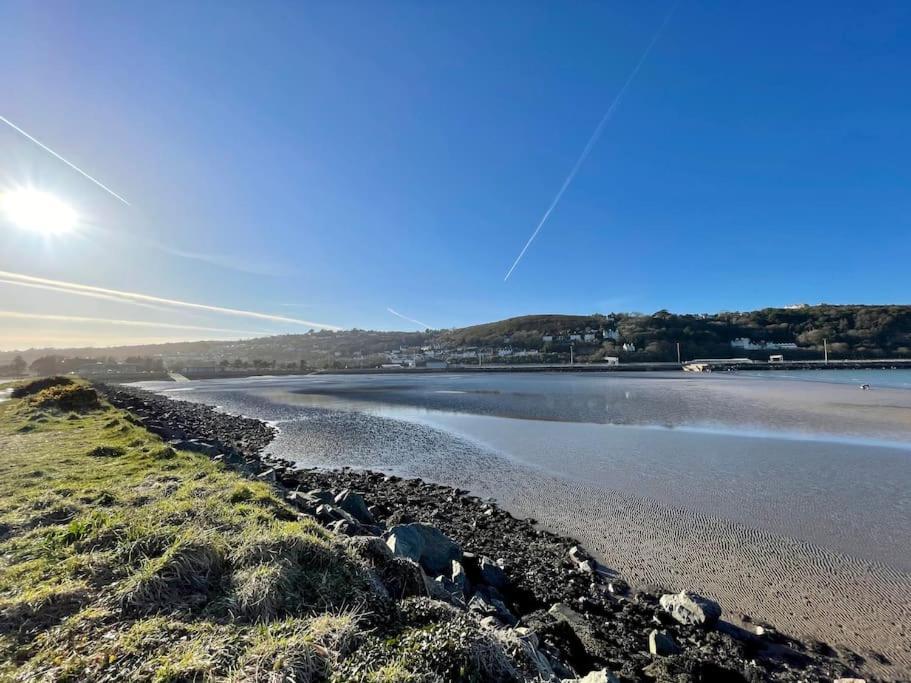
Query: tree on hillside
[
  {"x": 46, "y": 365},
  {"x": 18, "y": 365}
]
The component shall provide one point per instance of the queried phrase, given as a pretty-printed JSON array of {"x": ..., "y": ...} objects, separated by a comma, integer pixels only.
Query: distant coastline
[{"x": 886, "y": 364}]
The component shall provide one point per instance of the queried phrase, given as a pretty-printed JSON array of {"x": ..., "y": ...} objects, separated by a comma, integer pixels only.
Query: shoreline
[
  {"x": 543, "y": 576},
  {"x": 531, "y": 368}
]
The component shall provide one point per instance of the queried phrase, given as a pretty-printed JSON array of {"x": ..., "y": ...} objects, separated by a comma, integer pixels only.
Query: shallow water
[{"x": 762, "y": 491}]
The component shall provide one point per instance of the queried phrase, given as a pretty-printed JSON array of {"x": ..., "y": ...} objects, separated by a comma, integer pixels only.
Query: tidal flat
[{"x": 786, "y": 500}]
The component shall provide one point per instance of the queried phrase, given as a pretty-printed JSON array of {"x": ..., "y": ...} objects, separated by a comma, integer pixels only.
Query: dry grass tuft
[
  {"x": 41, "y": 608},
  {"x": 284, "y": 651},
  {"x": 189, "y": 569},
  {"x": 36, "y": 385},
  {"x": 107, "y": 452},
  {"x": 261, "y": 592},
  {"x": 67, "y": 397}
]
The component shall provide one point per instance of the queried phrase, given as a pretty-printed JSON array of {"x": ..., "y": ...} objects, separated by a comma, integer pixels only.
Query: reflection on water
[{"x": 776, "y": 455}]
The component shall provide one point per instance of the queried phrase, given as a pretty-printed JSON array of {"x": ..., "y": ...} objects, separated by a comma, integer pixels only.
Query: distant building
[
  {"x": 629, "y": 346},
  {"x": 108, "y": 369},
  {"x": 776, "y": 358},
  {"x": 613, "y": 335},
  {"x": 589, "y": 336},
  {"x": 750, "y": 345},
  {"x": 435, "y": 364},
  {"x": 548, "y": 337},
  {"x": 612, "y": 360},
  {"x": 746, "y": 344},
  {"x": 575, "y": 337}
]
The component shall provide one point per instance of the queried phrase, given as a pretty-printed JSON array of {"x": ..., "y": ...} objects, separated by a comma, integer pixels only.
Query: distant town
[{"x": 794, "y": 333}]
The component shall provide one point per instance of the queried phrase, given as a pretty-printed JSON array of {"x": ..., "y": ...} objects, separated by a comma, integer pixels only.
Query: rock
[
  {"x": 594, "y": 646},
  {"x": 304, "y": 502},
  {"x": 602, "y": 676},
  {"x": 426, "y": 545},
  {"x": 443, "y": 589},
  {"x": 354, "y": 505},
  {"x": 402, "y": 577},
  {"x": 618, "y": 587},
  {"x": 691, "y": 609},
  {"x": 267, "y": 475},
  {"x": 491, "y": 573},
  {"x": 487, "y": 603},
  {"x": 327, "y": 513},
  {"x": 460, "y": 578},
  {"x": 322, "y": 496},
  {"x": 578, "y": 554},
  {"x": 346, "y": 528},
  {"x": 529, "y": 644},
  {"x": 662, "y": 644}
]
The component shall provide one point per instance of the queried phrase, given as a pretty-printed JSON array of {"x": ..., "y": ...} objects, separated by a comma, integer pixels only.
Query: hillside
[{"x": 848, "y": 331}]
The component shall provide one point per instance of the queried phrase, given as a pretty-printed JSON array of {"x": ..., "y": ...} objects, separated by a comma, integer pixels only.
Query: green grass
[
  {"x": 124, "y": 559},
  {"x": 112, "y": 543}
]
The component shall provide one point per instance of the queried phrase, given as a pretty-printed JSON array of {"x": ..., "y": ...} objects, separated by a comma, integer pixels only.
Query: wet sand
[{"x": 786, "y": 501}]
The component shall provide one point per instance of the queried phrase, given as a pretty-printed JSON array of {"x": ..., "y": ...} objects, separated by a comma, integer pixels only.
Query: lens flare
[{"x": 38, "y": 211}]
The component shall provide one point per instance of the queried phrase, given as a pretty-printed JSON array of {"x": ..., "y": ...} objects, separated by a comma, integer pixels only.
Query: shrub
[
  {"x": 68, "y": 397},
  {"x": 33, "y": 387},
  {"x": 107, "y": 452}
]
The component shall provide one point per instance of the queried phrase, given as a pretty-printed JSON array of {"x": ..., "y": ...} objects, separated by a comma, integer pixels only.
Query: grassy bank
[{"x": 123, "y": 559}]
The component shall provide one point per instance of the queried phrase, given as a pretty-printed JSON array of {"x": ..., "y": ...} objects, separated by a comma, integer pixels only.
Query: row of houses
[
  {"x": 750, "y": 345},
  {"x": 588, "y": 335}
]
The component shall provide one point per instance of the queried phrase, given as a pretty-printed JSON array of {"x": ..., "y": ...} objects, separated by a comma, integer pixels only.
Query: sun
[{"x": 38, "y": 211}]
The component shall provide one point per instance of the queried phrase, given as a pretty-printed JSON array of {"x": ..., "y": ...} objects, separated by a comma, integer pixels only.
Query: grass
[{"x": 124, "y": 559}]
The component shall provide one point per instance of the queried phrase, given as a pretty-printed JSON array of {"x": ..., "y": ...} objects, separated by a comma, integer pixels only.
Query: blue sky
[{"x": 326, "y": 161}]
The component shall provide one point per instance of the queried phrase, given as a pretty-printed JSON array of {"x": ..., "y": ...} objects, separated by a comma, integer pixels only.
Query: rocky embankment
[{"x": 578, "y": 619}]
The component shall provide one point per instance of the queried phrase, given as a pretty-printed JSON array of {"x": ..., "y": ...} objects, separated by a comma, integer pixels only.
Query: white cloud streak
[
  {"x": 67, "y": 162},
  {"x": 411, "y": 320},
  {"x": 592, "y": 140},
  {"x": 135, "y": 297},
  {"x": 17, "y": 315},
  {"x": 63, "y": 290}
]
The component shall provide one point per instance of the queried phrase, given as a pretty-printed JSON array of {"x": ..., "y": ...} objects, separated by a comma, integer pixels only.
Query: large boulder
[
  {"x": 354, "y": 505},
  {"x": 426, "y": 545},
  {"x": 691, "y": 609}
]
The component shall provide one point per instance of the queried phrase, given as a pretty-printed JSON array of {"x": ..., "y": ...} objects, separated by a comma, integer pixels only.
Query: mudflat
[{"x": 787, "y": 501}]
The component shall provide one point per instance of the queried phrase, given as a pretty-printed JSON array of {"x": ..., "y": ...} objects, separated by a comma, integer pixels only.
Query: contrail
[
  {"x": 134, "y": 297},
  {"x": 593, "y": 139},
  {"x": 114, "y": 321},
  {"x": 411, "y": 320},
  {"x": 68, "y": 163}
]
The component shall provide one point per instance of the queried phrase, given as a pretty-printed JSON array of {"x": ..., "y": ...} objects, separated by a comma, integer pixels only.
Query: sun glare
[{"x": 37, "y": 211}]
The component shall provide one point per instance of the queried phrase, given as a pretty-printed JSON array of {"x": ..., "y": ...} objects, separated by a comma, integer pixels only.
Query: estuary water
[{"x": 785, "y": 496}]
